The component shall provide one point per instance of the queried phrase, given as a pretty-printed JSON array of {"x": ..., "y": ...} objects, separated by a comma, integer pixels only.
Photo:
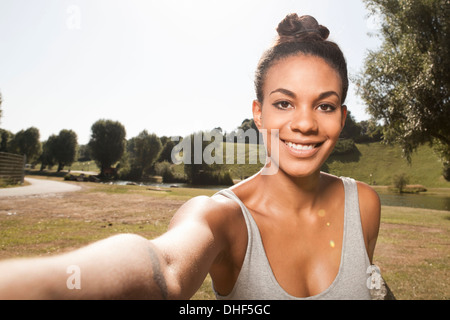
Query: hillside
[
  {"x": 384, "y": 162},
  {"x": 380, "y": 160}
]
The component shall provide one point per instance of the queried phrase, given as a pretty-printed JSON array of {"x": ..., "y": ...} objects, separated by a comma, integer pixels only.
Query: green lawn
[
  {"x": 383, "y": 162},
  {"x": 413, "y": 252}
]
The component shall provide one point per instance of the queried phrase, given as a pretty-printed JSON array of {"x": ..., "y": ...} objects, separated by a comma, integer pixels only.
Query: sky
[{"x": 170, "y": 67}]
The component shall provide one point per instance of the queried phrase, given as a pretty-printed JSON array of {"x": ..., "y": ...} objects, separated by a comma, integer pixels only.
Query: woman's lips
[{"x": 303, "y": 149}]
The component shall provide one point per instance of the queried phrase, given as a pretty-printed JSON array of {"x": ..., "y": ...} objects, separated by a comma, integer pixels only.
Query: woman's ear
[
  {"x": 343, "y": 115},
  {"x": 257, "y": 113}
]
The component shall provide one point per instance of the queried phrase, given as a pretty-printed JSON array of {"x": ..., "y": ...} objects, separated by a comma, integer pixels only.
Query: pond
[
  {"x": 425, "y": 201},
  {"x": 170, "y": 185},
  {"x": 416, "y": 201}
]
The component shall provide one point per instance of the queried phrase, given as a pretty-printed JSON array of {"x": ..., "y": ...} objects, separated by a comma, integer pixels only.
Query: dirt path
[{"x": 37, "y": 187}]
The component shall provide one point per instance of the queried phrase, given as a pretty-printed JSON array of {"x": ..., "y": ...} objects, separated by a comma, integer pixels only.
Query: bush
[
  {"x": 225, "y": 179},
  {"x": 344, "y": 146},
  {"x": 4, "y": 183},
  {"x": 167, "y": 172},
  {"x": 212, "y": 178},
  {"x": 415, "y": 188},
  {"x": 400, "y": 181}
]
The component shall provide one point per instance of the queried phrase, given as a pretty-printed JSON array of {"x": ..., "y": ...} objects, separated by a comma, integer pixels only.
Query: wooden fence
[{"x": 12, "y": 167}]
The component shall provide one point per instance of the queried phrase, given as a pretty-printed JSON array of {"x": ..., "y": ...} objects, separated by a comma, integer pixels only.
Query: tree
[
  {"x": 146, "y": 149},
  {"x": 249, "y": 124},
  {"x": 400, "y": 182},
  {"x": 84, "y": 153},
  {"x": 197, "y": 168},
  {"x": 47, "y": 157},
  {"x": 351, "y": 130},
  {"x": 0, "y": 105},
  {"x": 194, "y": 166},
  {"x": 107, "y": 143},
  {"x": 5, "y": 140},
  {"x": 65, "y": 148},
  {"x": 166, "y": 152},
  {"x": 27, "y": 142},
  {"x": 406, "y": 83},
  {"x": 370, "y": 131},
  {"x": 59, "y": 149}
]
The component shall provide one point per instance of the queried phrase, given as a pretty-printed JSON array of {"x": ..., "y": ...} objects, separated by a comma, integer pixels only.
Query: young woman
[{"x": 295, "y": 233}]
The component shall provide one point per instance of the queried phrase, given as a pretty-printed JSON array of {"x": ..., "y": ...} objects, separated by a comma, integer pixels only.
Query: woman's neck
[{"x": 285, "y": 193}]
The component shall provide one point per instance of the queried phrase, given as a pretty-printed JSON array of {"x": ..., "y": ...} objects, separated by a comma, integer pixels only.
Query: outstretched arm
[
  {"x": 122, "y": 266},
  {"x": 172, "y": 266}
]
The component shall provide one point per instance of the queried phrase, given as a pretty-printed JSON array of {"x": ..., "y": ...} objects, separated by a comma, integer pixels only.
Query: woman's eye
[
  {"x": 327, "y": 107},
  {"x": 282, "y": 105}
]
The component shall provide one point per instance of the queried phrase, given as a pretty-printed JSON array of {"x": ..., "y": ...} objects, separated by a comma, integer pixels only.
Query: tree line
[
  {"x": 146, "y": 154},
  {"x": 107, "y": 146}
]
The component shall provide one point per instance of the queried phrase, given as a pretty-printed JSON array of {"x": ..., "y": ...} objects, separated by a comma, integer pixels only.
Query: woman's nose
[{"x": 304, "y": 121}]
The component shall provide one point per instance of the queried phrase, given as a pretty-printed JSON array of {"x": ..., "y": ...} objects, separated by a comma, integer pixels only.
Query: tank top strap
[
  {"x": 351, "y": 193},
  {"x": 255, "y": 277},
  {"x": 247, "y": 215},
  {"x": 252, "y": 227},
  {"x": 354, "y": 244}
]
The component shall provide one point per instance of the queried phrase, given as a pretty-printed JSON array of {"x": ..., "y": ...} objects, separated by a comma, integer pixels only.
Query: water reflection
[
  {"x": 416, "y": 201},
  {"x": 399, "y": 200}
]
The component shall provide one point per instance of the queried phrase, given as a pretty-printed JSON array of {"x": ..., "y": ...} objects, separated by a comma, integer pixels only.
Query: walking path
[{"x": 38, "y": 187}]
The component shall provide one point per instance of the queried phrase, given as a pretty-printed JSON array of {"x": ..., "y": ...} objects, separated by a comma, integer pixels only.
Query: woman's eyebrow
[
  {"x": 291, "y": 94},
  {"x": 326, "y": 94},
  {"x": 284, "y": 91}
]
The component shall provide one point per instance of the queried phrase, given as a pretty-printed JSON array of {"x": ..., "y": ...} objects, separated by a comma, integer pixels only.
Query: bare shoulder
[
  {"x": 218, "y": 212},
  {"x": 369, "y": 201},
  {"x": 370, "y": 210},
  {"x": 204, "y": 207}
]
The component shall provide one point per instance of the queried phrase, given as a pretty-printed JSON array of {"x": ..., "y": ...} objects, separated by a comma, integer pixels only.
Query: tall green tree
[
  {"x": 351, "y": 130},
  {"x": 84, "y": 153},
  {"x": 406, "y": 82},
  {"x": 47, "y": 157},
  {"x": 195, "y": 168},
  {"x": 107, "y": 143},
  {"x": 202, "y": 165},
  {"x": 5, "y": 139},
  {"x": 5, "y": 135},
  {"x": 27, "y": 142},
  {"x": 65, "y": 148},
  {"x": 146, "y": 149},
  {"x": 248, "y": 124},
  {"x": 166, "y": 152}
]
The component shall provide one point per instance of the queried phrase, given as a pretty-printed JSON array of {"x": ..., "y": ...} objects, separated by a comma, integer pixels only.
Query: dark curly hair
[{"x": 301, "y": 35}]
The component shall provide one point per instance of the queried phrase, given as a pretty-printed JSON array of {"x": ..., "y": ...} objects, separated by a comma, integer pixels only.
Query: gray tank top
[{"x": 256, "y": 280}]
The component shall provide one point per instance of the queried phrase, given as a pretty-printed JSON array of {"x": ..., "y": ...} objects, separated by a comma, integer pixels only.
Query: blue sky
[{"x": 170, "y": 67}]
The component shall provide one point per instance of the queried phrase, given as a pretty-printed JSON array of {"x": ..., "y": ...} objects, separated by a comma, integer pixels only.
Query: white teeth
[{"x": 300, "y": 146}]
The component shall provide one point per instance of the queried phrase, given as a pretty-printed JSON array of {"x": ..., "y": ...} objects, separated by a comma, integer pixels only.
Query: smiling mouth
[{"x": 302, "y": 147}]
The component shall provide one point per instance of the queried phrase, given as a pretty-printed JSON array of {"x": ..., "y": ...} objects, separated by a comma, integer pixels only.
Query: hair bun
[{"x": 304, "y": 28}]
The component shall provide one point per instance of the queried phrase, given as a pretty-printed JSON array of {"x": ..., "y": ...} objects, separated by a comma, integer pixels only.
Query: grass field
[
  {"x": 413, "y": 250},
  {"x": 376, "y": 163}
]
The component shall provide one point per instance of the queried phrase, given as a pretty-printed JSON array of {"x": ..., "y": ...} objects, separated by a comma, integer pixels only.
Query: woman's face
[{"x": 301, "y": 112}]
